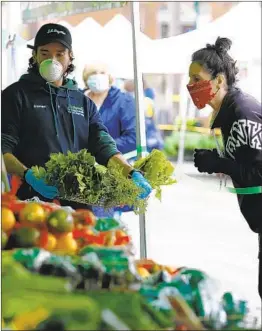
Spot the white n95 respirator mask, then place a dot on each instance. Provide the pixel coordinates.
(51, 70)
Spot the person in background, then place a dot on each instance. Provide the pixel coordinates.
(154, 139)
(116, 108)
(129, 87)
(148, 91)
(213, 81)
(45, 112)
(117, 111)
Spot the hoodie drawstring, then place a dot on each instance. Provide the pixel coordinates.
(74, 128)
(53, 110)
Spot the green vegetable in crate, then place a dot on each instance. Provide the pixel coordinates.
(79, 179)
(4, 239)
(132, 309)
(193, 140)
(78, 311)
(157, 170)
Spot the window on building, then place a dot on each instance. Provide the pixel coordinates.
(164, 30)
(163, 7)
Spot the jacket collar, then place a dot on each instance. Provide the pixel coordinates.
(224, 112)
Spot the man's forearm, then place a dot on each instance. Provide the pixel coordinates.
(14, 166)
(119, 159)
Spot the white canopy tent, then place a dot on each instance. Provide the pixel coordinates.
(87, 45)
(175, 52)
(112, 43)
(118, 47)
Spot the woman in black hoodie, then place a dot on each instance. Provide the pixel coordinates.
(239, 116)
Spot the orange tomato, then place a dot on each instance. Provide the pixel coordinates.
(143, 272)
(32, 213)
(66, 244)
(8, 219)
(120, 234)
(51, 242)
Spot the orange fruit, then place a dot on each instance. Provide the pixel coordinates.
(120, 234)
(51, 242)
(109, 238)
(8, 219)
(66, 244)
(143, 272)
(32, 213)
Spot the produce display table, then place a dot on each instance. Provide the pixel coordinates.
(67, 270)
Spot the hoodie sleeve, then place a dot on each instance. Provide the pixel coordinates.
(100, 144)
(11, 119)
(248, 138)
(127, 140)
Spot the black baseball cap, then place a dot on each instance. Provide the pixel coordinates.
(51, 33)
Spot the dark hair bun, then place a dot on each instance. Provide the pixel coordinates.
(222, 45)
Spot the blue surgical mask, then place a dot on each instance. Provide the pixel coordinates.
(98, 83)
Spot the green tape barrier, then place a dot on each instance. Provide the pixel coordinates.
(134, 153)
(245, 190)
(141, 149)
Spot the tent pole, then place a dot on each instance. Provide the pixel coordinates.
(183, 113)
(140, 116)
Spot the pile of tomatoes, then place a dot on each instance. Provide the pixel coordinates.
(48, 226)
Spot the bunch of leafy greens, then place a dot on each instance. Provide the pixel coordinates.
(78, 178)
(157, 170)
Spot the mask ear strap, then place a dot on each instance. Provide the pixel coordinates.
(218, 88)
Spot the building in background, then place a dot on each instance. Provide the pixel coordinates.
(158, 20)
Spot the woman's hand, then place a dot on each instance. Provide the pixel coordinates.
(207, 161)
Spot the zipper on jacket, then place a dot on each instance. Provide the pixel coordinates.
(221, 153)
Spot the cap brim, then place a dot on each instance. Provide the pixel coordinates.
(51, 41)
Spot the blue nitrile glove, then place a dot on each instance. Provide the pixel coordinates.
(40, 186)
(142, 183)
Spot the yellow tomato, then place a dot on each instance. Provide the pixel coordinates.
(8, 219)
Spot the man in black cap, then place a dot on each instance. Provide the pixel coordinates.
(45, 112)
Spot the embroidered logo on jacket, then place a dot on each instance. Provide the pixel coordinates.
(76, 110)
(244, 132)
(39, 106)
